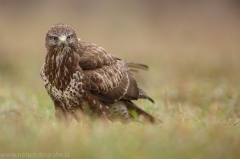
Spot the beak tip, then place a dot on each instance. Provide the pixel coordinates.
(62, 38)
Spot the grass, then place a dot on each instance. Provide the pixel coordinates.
(203, 126)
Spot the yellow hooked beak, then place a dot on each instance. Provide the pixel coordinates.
(62, 40)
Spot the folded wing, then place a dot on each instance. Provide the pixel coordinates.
(109, 78)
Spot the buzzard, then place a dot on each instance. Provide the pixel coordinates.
(81, 77)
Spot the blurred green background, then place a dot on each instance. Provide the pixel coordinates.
(191, 47)
(190, 38)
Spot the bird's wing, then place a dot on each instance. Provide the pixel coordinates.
(108, 77)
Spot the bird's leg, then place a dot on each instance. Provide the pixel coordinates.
(63, 116)
(59, 114)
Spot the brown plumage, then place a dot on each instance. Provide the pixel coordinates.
(77, 73)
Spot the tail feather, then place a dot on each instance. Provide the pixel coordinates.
(140, 111)
(136, 65)
(143, 95)
(133, 67)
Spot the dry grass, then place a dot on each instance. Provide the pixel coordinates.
(194, 77)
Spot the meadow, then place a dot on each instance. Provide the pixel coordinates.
(194, 78)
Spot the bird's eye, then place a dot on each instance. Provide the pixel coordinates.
(55, 38)
(69, 37)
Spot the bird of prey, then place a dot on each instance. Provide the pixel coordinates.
(81, 77)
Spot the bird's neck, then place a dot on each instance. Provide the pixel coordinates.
(60, 68)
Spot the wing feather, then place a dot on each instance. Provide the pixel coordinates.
(94, 56)
(109, 77)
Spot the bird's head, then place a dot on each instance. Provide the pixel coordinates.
(61, 38)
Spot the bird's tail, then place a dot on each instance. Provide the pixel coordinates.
(133, 108)
(135, 66)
